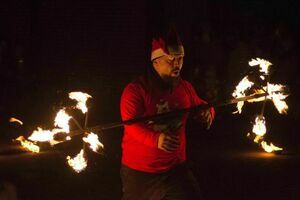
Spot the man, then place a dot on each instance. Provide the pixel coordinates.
(154, 153)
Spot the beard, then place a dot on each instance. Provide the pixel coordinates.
(171, 80)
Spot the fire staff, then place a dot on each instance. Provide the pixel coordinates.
(154, 153)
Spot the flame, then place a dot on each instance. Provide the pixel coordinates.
(78, 163)
(81, 99)
(276, 94)
(258, 91)
(257, 138)
(263, 65)
(15, 120)
(62, 121)
(94, 142)
(270, 148)
(41, 135)
(259, 128)
(239, 91)
(28, 145)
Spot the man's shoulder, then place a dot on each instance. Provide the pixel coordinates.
(186, 83)
(137, 83)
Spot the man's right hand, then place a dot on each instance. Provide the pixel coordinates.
(168, 143)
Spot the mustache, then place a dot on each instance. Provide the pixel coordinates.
(176, 69)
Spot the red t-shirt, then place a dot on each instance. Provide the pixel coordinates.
(140, 151)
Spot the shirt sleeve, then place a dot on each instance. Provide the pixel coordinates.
(132, 106)
(196, 100)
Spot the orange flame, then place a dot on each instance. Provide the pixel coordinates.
(81, 99)
(263, 65)
(78, 163)
(276, 92)
(239, 91)
(15, 120)
(28, 145)
(61, 121)
(270, 148)
(259, 128)
(94, 142)
(42, 135)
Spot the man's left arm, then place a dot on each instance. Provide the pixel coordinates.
(205, 116)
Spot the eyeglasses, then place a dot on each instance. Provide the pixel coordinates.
(177, 58)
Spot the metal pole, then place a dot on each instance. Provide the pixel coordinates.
(165, 115)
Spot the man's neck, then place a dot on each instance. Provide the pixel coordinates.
(171, 81)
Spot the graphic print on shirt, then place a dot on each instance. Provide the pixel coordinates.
(166, 125)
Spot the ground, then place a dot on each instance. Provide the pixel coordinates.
(226, 163)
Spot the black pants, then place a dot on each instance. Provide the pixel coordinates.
(176, 184)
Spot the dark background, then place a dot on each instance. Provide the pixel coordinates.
(49, 48)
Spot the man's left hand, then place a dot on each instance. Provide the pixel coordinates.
(205, 117)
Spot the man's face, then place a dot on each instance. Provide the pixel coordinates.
(168, 66)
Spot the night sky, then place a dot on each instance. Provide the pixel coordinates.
(49, 48)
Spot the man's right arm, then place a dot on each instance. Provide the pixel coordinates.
(132, 106)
